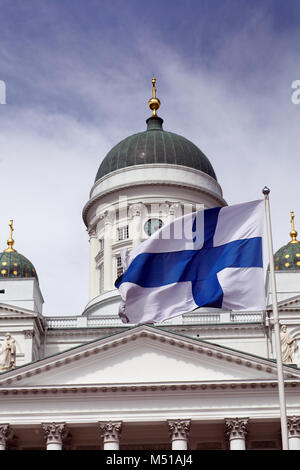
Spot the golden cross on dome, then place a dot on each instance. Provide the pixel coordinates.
(154, 87)
(293, 232)
(154, 102)
(10, 241)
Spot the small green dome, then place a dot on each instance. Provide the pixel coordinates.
(287, 258)
(13, 265)
(155, 146)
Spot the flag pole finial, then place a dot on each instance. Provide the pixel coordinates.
(293, 232)
(154, 103)
(10, 241)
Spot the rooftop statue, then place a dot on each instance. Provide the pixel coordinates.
(8, 350)
(287, 347)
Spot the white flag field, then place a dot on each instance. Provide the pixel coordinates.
(208, 258)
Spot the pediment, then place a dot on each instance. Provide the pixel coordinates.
(144, 355)
(7, 310)
(293, 303)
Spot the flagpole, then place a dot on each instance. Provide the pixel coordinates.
(283, 417)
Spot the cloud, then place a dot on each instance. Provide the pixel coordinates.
(46, 181)
(69, 104)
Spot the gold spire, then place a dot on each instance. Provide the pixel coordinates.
(293, 232)
(154, 102)
(10, 241)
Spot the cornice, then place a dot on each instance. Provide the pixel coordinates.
(83, 331)
(219, 200)
(127, 243)
(213, 329)
(14, 310)
(22, 314)
(233, 326)
(178, 387)
(148, 166)
(286, 304)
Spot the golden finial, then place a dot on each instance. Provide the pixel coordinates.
(154, 102)
(293, 232)
(10, 241)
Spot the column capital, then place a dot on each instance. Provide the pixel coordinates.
(236, 428)
(179, 428)
(5, 431)
(136, 209)
(109, 217)
(55, 432)
(111, 430)
(293, 424)
(28, 334)
(174, 208)
(92, 232)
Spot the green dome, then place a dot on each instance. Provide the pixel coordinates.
(13, 265)
(155, 146)
(287, 258)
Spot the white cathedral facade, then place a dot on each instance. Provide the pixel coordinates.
(205, 380)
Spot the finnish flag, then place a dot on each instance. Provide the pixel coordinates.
(209, 258)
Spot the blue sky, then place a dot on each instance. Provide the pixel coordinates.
(78, 77)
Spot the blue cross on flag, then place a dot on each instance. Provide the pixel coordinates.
(209, 258)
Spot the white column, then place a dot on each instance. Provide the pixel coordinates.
(110, 433)
(107, 257)
(293, 424)
(94, 249)
(135, 231)
(179, 431)
(175, 210)
(54, 435)
(5, 431)
(236, 431)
